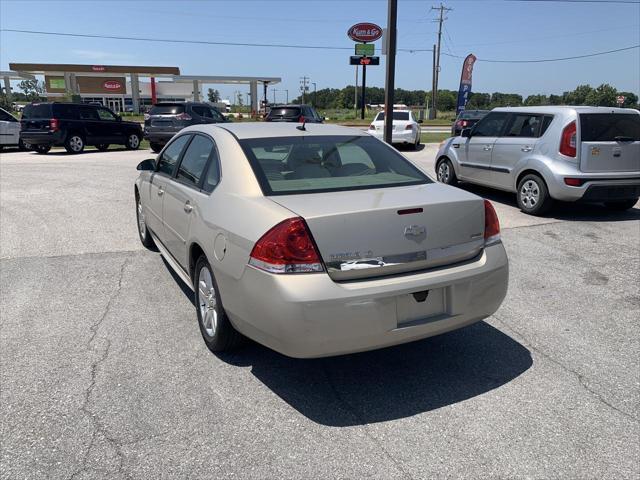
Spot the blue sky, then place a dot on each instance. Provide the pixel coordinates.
(489, 29)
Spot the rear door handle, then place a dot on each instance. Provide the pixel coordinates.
(526, 148)
(160, 192)
(187, 207)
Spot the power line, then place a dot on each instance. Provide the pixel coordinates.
(317, 47)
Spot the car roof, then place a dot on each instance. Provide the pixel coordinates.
(565, 108)
(276, 129)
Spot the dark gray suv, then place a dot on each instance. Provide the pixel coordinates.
(166, 119)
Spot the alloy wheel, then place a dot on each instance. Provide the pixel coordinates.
(443, 172)
(142, 225)
(207, 302)
(530, 194)
(76, 143)
(134, 141)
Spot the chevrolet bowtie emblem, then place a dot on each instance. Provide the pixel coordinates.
(414, 231)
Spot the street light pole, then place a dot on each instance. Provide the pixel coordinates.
(392, 19)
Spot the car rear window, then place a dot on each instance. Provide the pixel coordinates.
(472, 115)
(294, 165)
(36, 111)
(609, 127)
(284, 112)
(167, 109)
(396, 116)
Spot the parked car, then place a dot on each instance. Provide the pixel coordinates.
(550, 153)
(165, 119)
(293, 113)
(74, 126)
(406, 129)
(9, 131)
(317, 241)
(467, 119)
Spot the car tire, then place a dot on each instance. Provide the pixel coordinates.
(533, 196)
(22, 146)
(74, 143)
(133, 142)
(621, 206)
(155, 147)
(445, 172)
(215, 327)
(103, 147)
(143, 231)
(41, 149)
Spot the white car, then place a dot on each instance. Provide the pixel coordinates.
(9, 130)
(406, 129)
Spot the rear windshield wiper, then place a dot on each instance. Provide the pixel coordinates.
(621, 138)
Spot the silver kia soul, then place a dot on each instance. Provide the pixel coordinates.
(551, 153)
(316, 239)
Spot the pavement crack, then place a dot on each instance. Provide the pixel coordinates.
(580, 377)
(98, 426)
(354, 413)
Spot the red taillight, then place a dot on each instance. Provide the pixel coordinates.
(568, 140)
(574, 182)
(491, 223)
(463, 123)
(372, 127)
(287, 248)
(301, 119)
(53, 124)
(183, 116)
(409, 127)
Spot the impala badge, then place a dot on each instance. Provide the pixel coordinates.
(415, 231)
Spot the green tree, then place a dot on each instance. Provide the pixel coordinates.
(603, 96)
(577, 96)
(33, 89)
(213, 95)
(239, 100)
(535, 100)
(555, 100)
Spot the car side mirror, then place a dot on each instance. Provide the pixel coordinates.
(466, 133)
(118, 118)
(419, 121)
(148, 164)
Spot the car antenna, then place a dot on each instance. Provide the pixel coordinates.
(301, 127)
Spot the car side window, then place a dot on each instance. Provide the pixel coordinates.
(7, 117)
(88, 113)
(200, 111)
(212, 177)
(216, 115)
(545, 124)
(169, 157)
(491, 125)
(524, 125)
(105, 114)
(194, 160)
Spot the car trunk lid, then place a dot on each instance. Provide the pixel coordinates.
(609, 142)
(375, 232)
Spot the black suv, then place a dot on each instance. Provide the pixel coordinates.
(75, 125)
(165, 119)
(293, 113)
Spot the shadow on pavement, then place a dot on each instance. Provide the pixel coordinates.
(392, 383)
(582, 212)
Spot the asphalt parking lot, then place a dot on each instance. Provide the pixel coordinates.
(104, 373)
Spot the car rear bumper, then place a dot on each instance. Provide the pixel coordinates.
(402, 136)
(309, 315)
(597, 188)
(159, 137)
(42, 138)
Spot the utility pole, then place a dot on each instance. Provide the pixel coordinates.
(436, 73)
(304, 87)
(274, 95)
(389, 83)
(287, 92)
